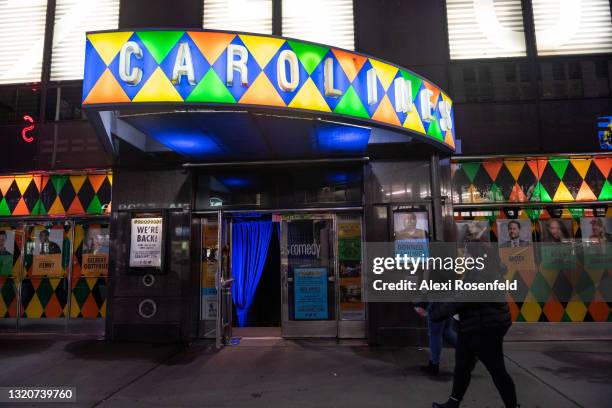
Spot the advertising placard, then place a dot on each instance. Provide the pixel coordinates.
(597, 242)
(349, 241)
(351, 305)
(146, 242)
(95, 252)
(310, 286)
(515, 244)
(47, 258)
(349, 256)
(556, 250)
(209, 269)
(410, 232)
(7, 246)
(470, 232)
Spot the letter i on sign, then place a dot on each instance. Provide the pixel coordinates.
(372, 88)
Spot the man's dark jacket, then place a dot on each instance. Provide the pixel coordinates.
(474, 316)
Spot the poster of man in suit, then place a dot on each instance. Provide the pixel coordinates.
(7, 244)
(47, 259)
(516, 244)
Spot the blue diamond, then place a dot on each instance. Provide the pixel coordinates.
(270, 71)
(253, 70)
(341, 81)
(200, 66)
(146, 63)
(360, 84)
(93, 70)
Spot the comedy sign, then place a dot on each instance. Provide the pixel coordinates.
(146, 243)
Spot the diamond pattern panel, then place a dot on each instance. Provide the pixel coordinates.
(55, 194)
(551, 295)
(537, 180)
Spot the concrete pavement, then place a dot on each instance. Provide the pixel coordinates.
(281, 373)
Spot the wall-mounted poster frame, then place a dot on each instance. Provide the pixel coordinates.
(151, 227)
(411, 234)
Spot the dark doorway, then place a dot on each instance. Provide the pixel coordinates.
(265, 311)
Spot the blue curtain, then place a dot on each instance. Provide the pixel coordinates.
(250, 242)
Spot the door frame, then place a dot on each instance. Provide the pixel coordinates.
(314, 328)
(223, 329)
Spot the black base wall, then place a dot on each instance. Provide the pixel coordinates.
(172, 291)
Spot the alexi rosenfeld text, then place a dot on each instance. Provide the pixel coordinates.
(470, 274)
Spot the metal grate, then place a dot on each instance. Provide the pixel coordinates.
(22, 37)
(323, 21)
(485, 29)
(254, 16)
(73, 18)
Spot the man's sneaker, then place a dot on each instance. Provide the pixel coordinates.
(451, 403)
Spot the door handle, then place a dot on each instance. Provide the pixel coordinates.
(227, 283)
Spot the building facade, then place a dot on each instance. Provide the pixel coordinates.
(306, 165)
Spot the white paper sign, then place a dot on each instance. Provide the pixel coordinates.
(146, 243)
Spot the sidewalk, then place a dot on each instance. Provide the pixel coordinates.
(283, 373)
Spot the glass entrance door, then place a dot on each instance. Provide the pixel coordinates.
(308, 276)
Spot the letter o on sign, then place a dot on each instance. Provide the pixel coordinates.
(147, 308)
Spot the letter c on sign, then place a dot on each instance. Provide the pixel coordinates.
(129, 75)
(26, 129)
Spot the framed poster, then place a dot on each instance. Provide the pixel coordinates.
(209, 267)
(470, 232)
(310, 288)
(515, 244)
(596, 229)
(95, 251)
(146, 242)
(597, 242)
(47, 257)
(349, 257)
(7, 249)
(556, 250)
(411, 233)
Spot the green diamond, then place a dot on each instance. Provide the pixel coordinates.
(159, 43)
(211, 89)
(470, 169)
(350, 104)
(310, 55)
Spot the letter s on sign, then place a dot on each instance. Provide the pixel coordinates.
(26, 129)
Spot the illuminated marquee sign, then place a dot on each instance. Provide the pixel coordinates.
(209, 67)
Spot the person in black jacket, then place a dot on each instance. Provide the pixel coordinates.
(482, 327)
(481, 330)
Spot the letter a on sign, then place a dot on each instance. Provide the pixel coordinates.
(183, 65)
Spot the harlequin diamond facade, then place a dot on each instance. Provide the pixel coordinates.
(549, 180)
(57, 202)
(540, 189)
